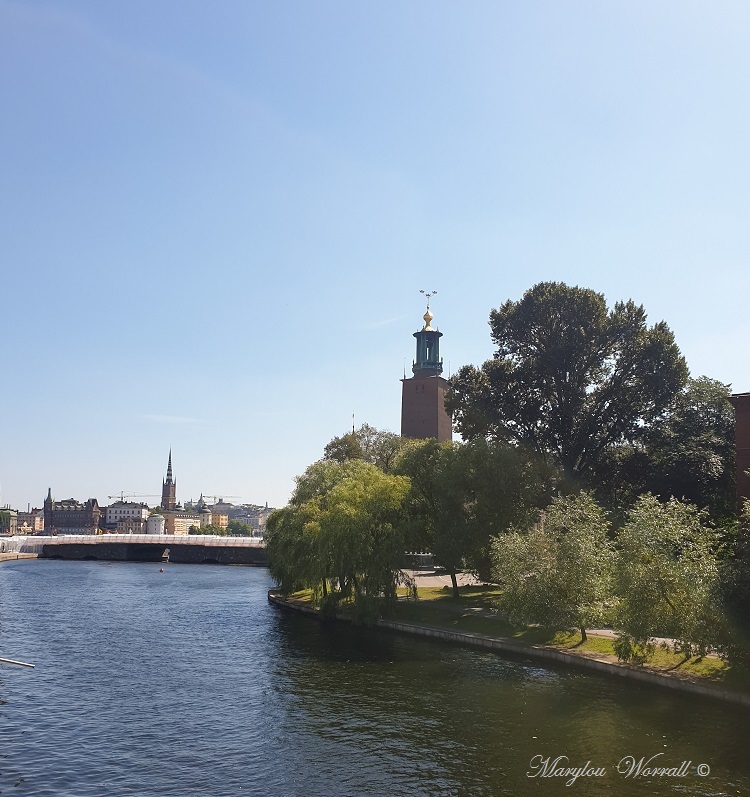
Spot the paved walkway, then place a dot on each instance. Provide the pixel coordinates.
(438, 578)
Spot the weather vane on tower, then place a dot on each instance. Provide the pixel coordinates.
(431, 293)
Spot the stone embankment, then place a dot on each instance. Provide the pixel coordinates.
(12, 556)
(544, 652)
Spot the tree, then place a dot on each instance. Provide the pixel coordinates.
(343, 529)
(667, 580)
(734, 582)
(238, 529)
(688, 453)
(569, 379)
(558, 573)
(376, 446)
(692, 449)
(463, 494)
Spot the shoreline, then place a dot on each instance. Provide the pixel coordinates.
(12, 556)
(544, 652)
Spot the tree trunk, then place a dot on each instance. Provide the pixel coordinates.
(583, 634)
(325, 588)
(456, 593)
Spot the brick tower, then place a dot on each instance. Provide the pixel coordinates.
(423, 412)
(169, 488)
(741, 402)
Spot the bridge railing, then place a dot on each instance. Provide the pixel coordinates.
(35, 544)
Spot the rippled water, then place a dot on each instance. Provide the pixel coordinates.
(188, 683)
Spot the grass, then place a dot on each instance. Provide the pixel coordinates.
(474, 613)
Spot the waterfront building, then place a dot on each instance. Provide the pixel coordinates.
(70, 516)
(741, 403)
(125, 510)
(178, 521)
(130, 525)
(423, 411)
(8, 520)
(155, 524)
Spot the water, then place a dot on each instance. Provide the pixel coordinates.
(188, 683)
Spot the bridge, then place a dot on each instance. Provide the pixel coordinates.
(188, 549)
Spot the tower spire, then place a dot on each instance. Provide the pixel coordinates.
(423, 413)
(169, 487)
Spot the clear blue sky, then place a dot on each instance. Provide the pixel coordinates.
(215, 218)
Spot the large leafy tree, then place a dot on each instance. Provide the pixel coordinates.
(688, 453)
(463, 494)
(569, 378)
(558, 573)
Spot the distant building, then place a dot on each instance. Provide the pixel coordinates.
(178, 521)
(169, 488)
(155, 524)
(423, 413)
(130, 525)
(741, 403)
(33, 520)
(125, 510)
(222, 507)
(8, 520)
(70, 516)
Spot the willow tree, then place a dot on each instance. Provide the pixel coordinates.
(667, 580)
(343, 532)
(559, 573)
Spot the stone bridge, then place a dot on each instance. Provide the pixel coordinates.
(192, 549)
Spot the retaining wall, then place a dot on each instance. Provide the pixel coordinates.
(538, 652)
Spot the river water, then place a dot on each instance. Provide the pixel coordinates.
(188, 682)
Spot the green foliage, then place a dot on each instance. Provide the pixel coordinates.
(735, 588)
(688, 453)
(558, 573)
(237, 529)
(569, 379)
(667, 580)
(343, 527)
(378, 447)
(462, 494)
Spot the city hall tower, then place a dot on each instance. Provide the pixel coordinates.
(423, 412)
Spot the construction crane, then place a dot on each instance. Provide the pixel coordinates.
(123, 495)
(220, 497)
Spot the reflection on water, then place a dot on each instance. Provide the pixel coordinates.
(189, 683)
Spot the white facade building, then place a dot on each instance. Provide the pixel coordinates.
(121, 510)
(155, 524)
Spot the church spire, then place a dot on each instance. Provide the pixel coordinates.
(169, 487)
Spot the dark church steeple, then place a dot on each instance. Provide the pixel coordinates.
(169, 488)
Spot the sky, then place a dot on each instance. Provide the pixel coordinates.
(216, 218)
